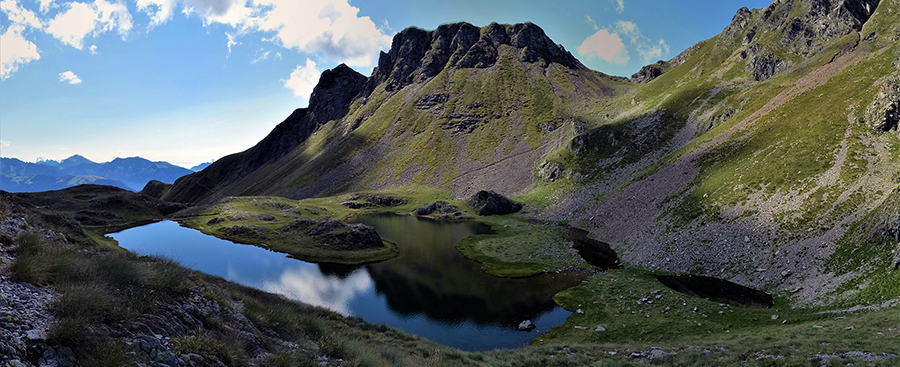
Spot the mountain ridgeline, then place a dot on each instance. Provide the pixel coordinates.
(126, 173)
(738, 158)
(441, 107)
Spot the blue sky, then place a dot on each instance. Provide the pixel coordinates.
(188, 81)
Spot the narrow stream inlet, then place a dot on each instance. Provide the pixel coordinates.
(430, 289)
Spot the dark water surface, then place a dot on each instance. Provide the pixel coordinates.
(430, 289)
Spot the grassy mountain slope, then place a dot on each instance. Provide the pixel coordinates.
(763, 180)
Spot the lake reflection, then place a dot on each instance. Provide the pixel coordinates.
(429, 289)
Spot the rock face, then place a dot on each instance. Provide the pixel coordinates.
(764, 66)
(883, 115)
(492, 203)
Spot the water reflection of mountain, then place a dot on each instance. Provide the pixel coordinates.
(431, 277)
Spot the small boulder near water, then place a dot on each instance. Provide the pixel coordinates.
(492, 203)
(526, 325)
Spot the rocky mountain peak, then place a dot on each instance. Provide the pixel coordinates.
(336, 88)
(417, 54)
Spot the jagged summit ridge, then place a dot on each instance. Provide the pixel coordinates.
(417, 54)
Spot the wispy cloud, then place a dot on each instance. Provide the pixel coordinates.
(69, 77)
(592, 23)
(620, 6)
(647, 49)
(93, 49)
(231, 41)
(263, 57)
(303, 79)
(4, 144)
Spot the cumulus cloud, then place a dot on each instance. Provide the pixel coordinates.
(17, 51)
(605, 46)
(303, 79)
(93, 49)
(620, 6)
(69, 77)
(80, 20)
(331, 28)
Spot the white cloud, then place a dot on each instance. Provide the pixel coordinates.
(648, 50)
(620, 6)
(4, 144)
(93, 49)
(605, 46)
(81, 19)
(303, 79)
(19, 15)
(69, 77)
(16, 50)
(331, 28)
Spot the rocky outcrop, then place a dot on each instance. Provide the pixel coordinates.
(362, 201)
(649, 72)
(492, 203)
(550, 171)
(336, 235)
(441, 207)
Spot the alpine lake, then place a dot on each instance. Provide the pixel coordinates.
(429, 289)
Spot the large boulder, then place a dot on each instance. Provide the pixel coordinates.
(883, 115)
(492, 203)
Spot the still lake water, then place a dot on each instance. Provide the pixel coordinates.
(430, 289)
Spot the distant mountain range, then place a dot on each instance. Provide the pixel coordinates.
(127, 173)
